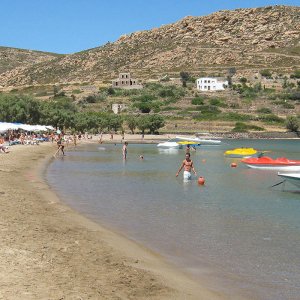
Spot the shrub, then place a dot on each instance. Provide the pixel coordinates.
(270, 118)
(76, 91)
(242, 127)
(292, 124)
(90, 99)
(294, 96)
(217, 102)
(296, 74)
(265, 73)
(168, 108)
(144, 98)
(233, 116)
(198, 101)
(288, 105)
(166, 93)
(264, 110)
(110, 91)
(234, 105)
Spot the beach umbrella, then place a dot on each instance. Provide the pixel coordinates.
(39, 128)
(26, 127)
(8, 126)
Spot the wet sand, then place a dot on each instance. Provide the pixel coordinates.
(48, 251)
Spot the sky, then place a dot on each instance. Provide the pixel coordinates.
(69, 26)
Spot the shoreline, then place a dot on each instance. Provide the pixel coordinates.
(50, 251)
(157, 138)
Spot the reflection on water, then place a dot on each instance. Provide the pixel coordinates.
(234, 231)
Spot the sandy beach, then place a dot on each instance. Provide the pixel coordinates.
(48, 251)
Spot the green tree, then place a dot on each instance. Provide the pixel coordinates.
(185, 76)
(142, 123)
(144, 107)
(114, 122)
(243, 80)
(131, 123)
(155, 122)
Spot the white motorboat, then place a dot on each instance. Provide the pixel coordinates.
(179, 141)
(199, 140)
(207, 139)
(293, 178)
(170, 144)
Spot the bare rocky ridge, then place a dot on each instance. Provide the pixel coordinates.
(248, 39)
(11, 58)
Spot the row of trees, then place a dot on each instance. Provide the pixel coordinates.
(62, 113)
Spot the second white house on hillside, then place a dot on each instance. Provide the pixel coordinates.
(211, 84)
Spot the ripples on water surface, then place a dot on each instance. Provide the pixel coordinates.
(235, 232)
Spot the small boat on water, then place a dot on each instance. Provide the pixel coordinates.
(268, 163)
(293, 178)
(170, 144)
(241, 152)
(179, 141)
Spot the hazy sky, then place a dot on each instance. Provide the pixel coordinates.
(68, 26)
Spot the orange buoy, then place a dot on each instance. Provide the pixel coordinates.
(201, 180)
(233, 165)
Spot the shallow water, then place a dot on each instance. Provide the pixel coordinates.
(235, 233)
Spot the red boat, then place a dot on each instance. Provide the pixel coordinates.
(268, 163)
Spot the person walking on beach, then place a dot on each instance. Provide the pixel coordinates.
(75, 139)
(124, 150)
(188, 165)
(60, 146)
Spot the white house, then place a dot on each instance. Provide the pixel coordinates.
(211, 84)
(117, 108)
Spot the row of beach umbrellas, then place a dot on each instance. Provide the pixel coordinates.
(15, 126)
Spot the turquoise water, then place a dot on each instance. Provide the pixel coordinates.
(235, 233)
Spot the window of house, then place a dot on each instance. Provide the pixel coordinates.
(208, 81)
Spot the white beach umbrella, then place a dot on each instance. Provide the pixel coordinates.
(8, 126)
(26, 127)
(39, 128)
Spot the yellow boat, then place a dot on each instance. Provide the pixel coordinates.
(241, 152)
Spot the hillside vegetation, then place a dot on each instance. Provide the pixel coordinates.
(258, 50)
(248, 39)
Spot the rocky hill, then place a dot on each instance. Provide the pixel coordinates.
(248, 39)
(11, 58)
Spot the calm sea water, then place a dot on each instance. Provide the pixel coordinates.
(235, 233)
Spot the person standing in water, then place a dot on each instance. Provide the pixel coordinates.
(124, 150)
(188, 165)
